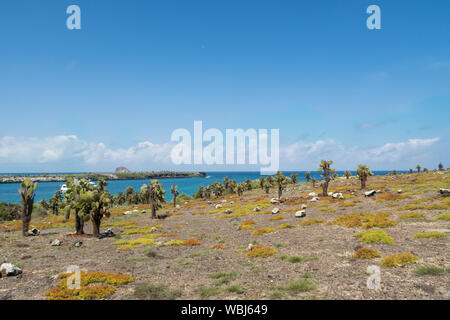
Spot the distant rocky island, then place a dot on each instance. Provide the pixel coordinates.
(121, 173)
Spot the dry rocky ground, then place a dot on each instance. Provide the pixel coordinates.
(311, 262)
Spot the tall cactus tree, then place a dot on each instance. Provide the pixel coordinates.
(281, 182)
(248, 184)
(294, 177)
(100, 205)
(56, 202)
(261, 182)
(240, 189)
(156, 196)
(174, 191)
(440, 166)
(363, 172)
(207, 192)
(308, 176)
(74, 203)
(347, 174)
(27, 194)
(418, 168)
(325, 168)
(267, 185)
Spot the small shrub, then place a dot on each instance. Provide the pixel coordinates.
(374, 236)
(366, 253)
(412, 215)
(293, 259)
(261, 252)
(247, 222)
(285, 226)
(401, 259)
(191, 242)
(444, 216)
(264, 230)
(247, 227)
(276, 218)
(175, 242)
(309, 222)
(435, 235)
(218, 246)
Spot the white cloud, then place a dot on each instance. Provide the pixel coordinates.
(71, 153)
(403, 154)
(71, 148)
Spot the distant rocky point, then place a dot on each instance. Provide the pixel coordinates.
(121, 173)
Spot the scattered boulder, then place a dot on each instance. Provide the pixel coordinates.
(107, 234)
(228, 211)
(135, 211)
(177, 206)
(127, 212)
(9, 270)
(218, 206)
(231, 202)
(330, 194)
(154, 229)
(337, 195)
(78, 244)
(274, 200)
(275, 210)
(369, 193)
(300, 214)
(250, 247)
(312, 194)
(444, 192)
(304, 206)
(257, 209)
(143, 211)
(399, 191)
(223, 200)
(56, 243)
(314, 199)
(33, 232)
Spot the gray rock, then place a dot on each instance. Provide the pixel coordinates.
(444, 192)
(312, 194)
(257, 209)
(78, 244)
(9, 270)
(275, 210)
(122, 170)
(228, 211)
(304, 206)
(218, 206)
(274, 200)
(56, 243)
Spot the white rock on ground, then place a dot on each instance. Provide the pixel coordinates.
(369, 193)
(312, 194)
(300, 214)
(218, 206)
(274, 200)
(257, 209)
(9, 270)
(56, 243)
(275, 210)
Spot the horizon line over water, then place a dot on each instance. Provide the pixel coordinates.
(45, 190)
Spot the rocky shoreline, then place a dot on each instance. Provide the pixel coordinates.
(107, 176)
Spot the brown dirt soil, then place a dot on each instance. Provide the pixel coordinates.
(326, 249)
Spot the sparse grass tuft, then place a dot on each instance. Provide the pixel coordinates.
(309, 222)
(206, 292)
(235, 289)
(223, 277)
(444, 216)
(429, 270)
(155, 292)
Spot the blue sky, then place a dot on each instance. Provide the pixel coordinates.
(77, 100)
